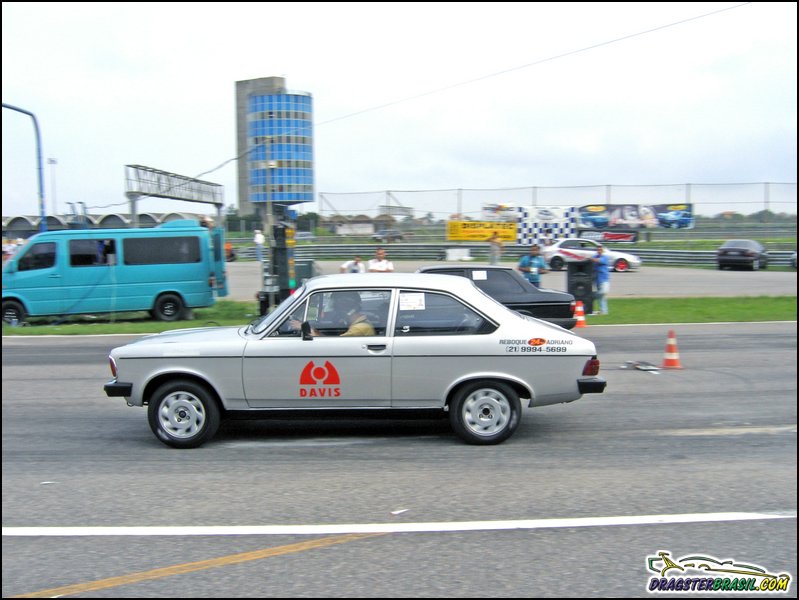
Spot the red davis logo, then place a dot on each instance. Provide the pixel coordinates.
(319, 381)
(536, 342)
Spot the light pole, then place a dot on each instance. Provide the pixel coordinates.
(53, 162)
(42, 216)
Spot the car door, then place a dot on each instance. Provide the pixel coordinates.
(436, 342)
(36, 276)
(283, 370)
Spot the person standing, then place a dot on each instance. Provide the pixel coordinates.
(355, 265)
(533, 265)
(495, 251)
(602, 276)
(380, 264)
(259, 240)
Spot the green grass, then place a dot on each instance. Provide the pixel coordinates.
(696, 310)
(622, 311)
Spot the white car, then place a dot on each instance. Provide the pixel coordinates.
(359, 343)
(579, 249)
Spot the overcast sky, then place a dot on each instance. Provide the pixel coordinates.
(407, 96)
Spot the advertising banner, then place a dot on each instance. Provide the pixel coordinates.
(499, 212)
(480, 231)
(635, 216)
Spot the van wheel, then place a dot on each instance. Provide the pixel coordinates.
(12, 310)
(168, 307)
(485, 412)
(183, 414)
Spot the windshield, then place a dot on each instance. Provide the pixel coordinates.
(261, 324)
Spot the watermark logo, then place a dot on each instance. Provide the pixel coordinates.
(702, 573)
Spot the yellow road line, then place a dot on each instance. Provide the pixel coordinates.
(82, 588)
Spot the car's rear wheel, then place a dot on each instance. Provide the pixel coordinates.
(183, 414)
(168, 307)
(485, 412)
(621, 265)
(556, 263)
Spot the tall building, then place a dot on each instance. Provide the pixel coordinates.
(274, 140)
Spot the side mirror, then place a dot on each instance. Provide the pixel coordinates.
(305, 328)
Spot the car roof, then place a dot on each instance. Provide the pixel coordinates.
(450, 266)
(459, 286)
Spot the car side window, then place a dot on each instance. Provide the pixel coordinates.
(497, 282)
(428, 313)
(340, 312)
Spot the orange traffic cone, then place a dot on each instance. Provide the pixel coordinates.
(671, 358)
(579, 314)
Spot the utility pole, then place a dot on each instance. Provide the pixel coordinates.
(42, 215)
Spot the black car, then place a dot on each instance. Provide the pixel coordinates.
(509, 287)
(742, 253)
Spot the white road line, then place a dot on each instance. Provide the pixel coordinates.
(393, 527)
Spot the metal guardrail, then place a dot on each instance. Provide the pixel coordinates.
(479, 252)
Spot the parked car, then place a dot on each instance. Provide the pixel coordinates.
(675, 219)
(742, 253)
(508, 286)
(579, 249)
(387, 235)
(793, 259)
(440, 345)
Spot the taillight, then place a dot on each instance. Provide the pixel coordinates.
(591, 366)
(113, 366)
(212, 281)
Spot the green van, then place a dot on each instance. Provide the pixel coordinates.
(167, 270)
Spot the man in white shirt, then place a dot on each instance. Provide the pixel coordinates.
(380, 264)
(353, 266)
(259, 240)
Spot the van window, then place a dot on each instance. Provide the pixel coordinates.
(38, 256)
(159, 251)
(91, 253)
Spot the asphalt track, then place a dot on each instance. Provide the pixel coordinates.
(244, 281)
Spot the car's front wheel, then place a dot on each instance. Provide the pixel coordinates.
(183, 414)
(13, 312)
(556, 264)
(485, 412)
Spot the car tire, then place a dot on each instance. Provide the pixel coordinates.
(183, 414)
(485, 412)
(556, 263)
(13, 311)
(621, 265)
(168, 307)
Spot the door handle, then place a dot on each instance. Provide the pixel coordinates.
(375, 347)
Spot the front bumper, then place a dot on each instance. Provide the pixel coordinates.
(591, 385)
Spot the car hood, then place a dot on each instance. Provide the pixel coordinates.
(194, 335)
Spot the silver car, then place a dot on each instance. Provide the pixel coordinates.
(579, 249)
(397, 342)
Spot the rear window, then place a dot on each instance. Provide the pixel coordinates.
(161, 250)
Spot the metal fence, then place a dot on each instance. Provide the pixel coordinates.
(479, 252)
